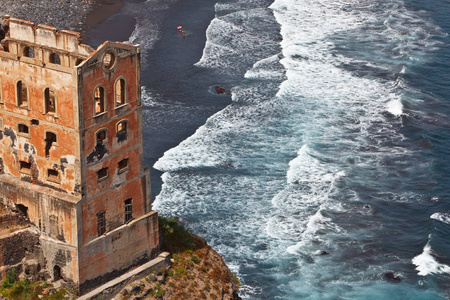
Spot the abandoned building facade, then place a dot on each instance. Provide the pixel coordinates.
(71, 151)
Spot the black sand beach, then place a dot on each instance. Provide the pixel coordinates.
(77, 15)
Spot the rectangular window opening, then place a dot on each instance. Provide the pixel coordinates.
(102, 174)
(101, 223)
(123, 165)
(53, 176)
(99, 99)
(25, 167)
(24, 129)
(128, 210)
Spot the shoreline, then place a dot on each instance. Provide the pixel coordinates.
(75, 15)
(102, 10)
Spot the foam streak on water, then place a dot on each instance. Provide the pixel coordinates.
(310, 155)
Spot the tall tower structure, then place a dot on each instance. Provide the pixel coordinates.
(71, 150)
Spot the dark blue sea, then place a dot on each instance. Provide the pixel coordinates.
(326, 163)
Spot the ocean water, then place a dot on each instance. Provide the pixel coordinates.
(325, 166)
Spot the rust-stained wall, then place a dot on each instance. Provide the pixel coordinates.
(65, 208)
(15, 146)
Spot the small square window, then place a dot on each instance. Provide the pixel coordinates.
(102, 174)
(123, 165)
(53, 176)
(24, 167)
(23, 129)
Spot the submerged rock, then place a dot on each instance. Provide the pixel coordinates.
(392, 277)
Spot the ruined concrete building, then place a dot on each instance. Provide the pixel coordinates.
(71, 151)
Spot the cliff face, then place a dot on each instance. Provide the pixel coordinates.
(194, 274)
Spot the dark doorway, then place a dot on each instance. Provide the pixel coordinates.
(56, 273)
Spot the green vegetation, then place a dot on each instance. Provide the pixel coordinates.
(175, 238)
(13, 288)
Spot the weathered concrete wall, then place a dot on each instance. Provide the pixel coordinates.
(62, 256)
(21, 250)
(117, 251)
(54, 213)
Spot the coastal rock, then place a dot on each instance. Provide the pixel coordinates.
(392, 277)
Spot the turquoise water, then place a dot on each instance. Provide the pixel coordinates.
(333, 139)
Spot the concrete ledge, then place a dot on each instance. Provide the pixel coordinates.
(115, 285)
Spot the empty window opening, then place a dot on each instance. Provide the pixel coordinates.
(50, 101)
(56, 273)
(23, 210)
(50, 139)
(123, 165)
(54, 58)
(102, 174)
(25, 167)
(53, 175)
(128, 210)
(101, 223)
(99, 100)
(101, 136)
(122, 129)
(34, 122)
(122, 126)
(23, 129)
(22, 93)
(28, 52)
(109, 60)
(120, 92)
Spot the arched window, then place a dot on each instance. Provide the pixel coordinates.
(54, 59)
(21, 94)
(101, 136)
(120, 89)
(122, 131)
(28, 52)
(49, 101)
(99, 100)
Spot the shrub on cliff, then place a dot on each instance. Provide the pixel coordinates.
(175, 238)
